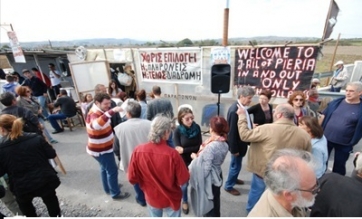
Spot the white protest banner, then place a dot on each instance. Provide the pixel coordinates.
(15, 47)
(220, 55)
(182, 66)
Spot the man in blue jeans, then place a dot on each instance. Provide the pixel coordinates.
(67, 109)
(237, 147)
(39, 90)
(100, 143)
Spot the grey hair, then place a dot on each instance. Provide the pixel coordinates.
(356, 84)
(245, 91)
(97, 88)
(134, 109)
(285, 176)
(159, 126)
(286, 111)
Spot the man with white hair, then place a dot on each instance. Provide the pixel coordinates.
(315, 83)
(340, 196)
(340, 76)
(127, 136)
(291, 185)
(159, 170)
(342, 125)
(265, 140)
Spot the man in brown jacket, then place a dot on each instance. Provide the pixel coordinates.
(265, 140)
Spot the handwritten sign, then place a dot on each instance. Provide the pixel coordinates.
(171, 66)
(220, 55)
(15, 47)
(282, 70)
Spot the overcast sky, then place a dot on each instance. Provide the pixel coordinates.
(42, 20)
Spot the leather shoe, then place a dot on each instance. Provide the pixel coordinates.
(240, 182)
(58, 131)
(143, 204)
(185, 207)
(233, 191)
(121, 196)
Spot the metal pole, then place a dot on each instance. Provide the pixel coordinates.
(226, 25)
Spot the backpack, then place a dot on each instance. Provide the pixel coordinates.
(28, 126)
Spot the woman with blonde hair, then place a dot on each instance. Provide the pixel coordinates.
(25, 100)
(24, 158)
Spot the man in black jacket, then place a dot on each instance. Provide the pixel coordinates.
(38, 88)
(31, 121)
(340, 196)
(116, 118)
(237, 147)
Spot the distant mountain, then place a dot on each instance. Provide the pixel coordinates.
(108, 42)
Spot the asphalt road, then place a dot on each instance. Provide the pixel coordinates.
(82, 185)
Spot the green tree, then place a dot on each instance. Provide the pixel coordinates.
(185, 42)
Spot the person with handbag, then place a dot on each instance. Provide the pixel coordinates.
(25, 100)
(24, 157)
(39, 89)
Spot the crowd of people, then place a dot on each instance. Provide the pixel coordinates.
(287, 148)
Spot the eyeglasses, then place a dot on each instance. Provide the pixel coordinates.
(188, 118)
(301, 100)
(314, 191)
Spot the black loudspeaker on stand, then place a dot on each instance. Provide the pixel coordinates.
(220, 81)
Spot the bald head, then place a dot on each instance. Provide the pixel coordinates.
(284, 110)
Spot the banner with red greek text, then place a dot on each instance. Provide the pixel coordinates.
(15, 47)
(182, 66)
(280, 69)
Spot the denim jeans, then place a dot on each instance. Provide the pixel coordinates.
(140, 196)
(184, 191)
(234, 170)
(257, 188)
(335, 89)
(53, 120)
(157, 212)
(109, 173)
(43, 103)
(45, 131)
(341, 155)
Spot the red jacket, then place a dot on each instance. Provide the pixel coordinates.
(160, 171)
(46, 78)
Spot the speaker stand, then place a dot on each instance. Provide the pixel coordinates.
(218, 104)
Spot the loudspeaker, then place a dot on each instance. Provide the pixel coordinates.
(220, 78)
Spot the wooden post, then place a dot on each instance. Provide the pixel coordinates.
(60, 165)
(335, 51)
(226, 25)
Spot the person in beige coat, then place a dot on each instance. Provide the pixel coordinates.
(265, 140)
